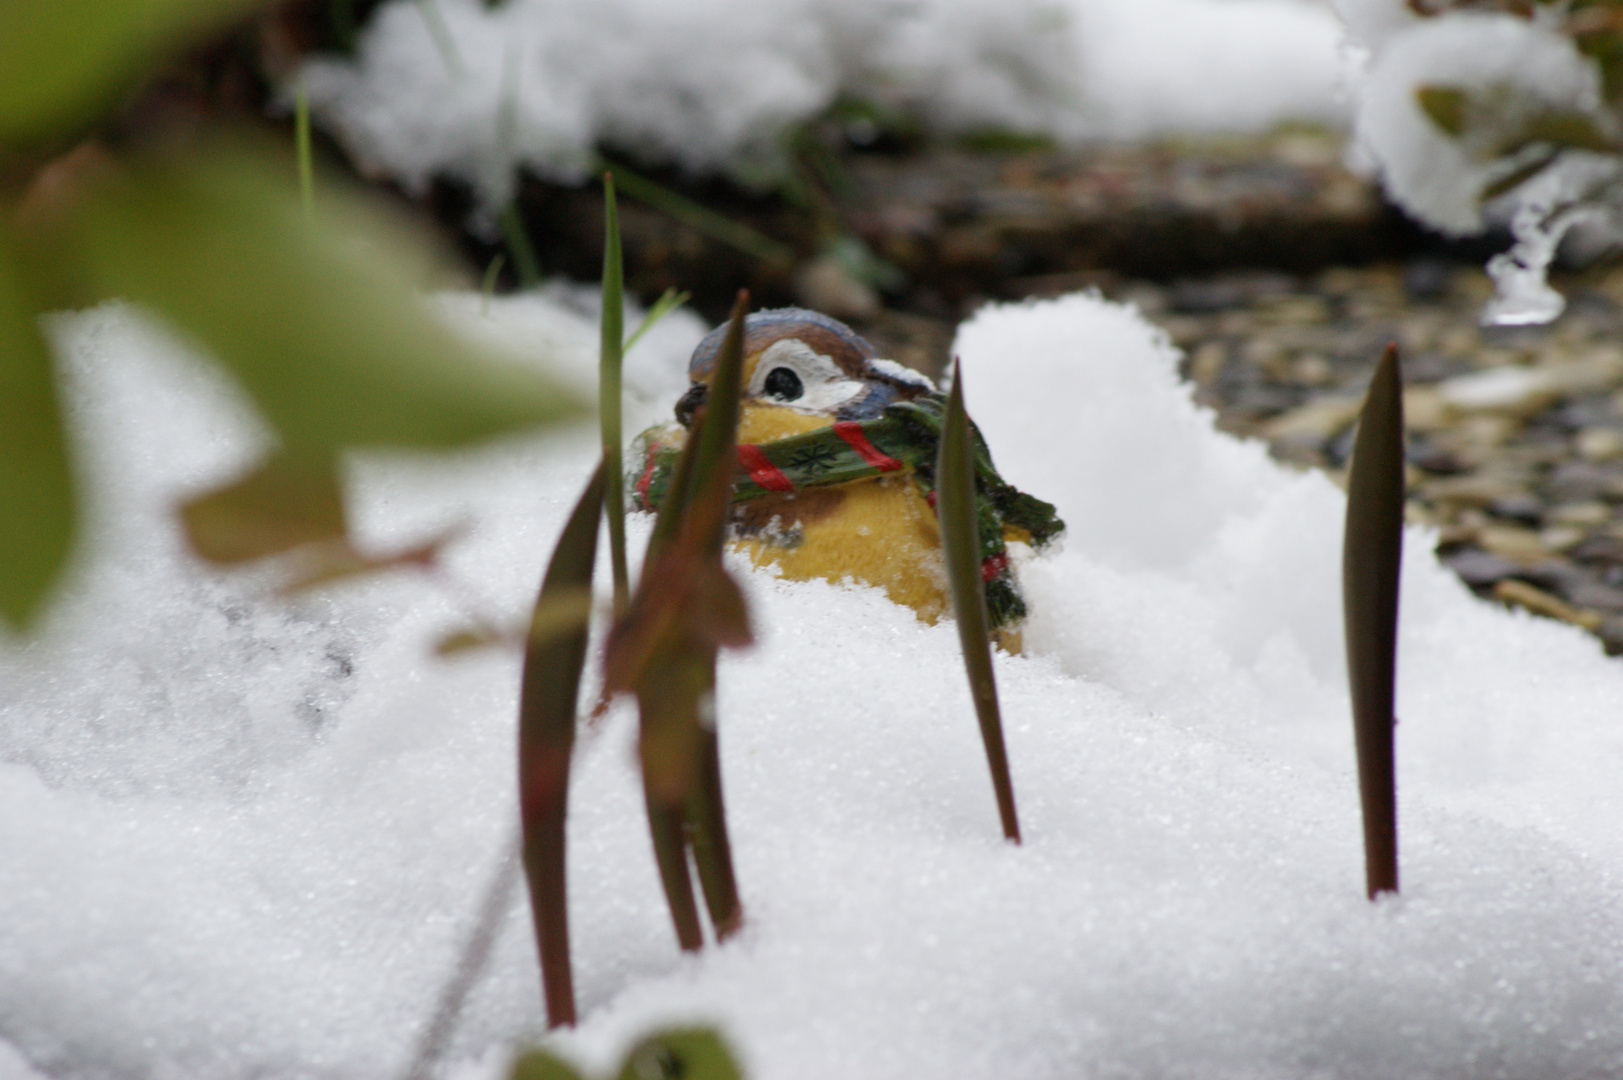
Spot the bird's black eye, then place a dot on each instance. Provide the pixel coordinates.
(783, 384)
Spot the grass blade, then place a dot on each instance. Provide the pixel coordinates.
(702, 218)
(1371, 553)
(518, 246)
(487, 288)
(961, 548)
(441, 34)
(301, 143)
(551, 686)
(610, 355)
(668, 301)
(470, 966)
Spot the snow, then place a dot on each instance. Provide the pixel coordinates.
(246, 838)
(1527, 66)
(471, 92)
(1438, 178)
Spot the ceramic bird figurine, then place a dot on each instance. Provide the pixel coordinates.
(837, 451)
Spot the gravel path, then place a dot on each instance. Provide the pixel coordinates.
(1516, 434)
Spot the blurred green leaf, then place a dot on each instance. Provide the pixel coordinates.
(1004, 141)
(681, 1054)
(283, 504)
(1502, 119)
(540, 1065)
(60, 60)
(674, 1054)
(1445, 106)
(1521, 173)
(37, 518)
(1566, 127)
(327, 564)
(310, 311)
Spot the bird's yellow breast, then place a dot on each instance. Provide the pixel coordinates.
(878, 531)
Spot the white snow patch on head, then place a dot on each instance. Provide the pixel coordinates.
(901, 373)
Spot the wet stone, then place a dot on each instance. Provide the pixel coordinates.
(1611, 635)
(1518, 506)
(1572, 481)
(1480, 569)
(1599, 548)
(1595, 595)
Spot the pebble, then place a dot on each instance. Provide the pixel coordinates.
(1521, 594)
(1598, 443)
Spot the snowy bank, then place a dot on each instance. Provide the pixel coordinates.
(463, 90)
(245, 839)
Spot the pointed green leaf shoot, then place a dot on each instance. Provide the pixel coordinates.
(664, 650)
(1372, 551)
(960, 547)
(546, 738)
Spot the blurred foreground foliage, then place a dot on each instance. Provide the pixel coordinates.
(676, 1054)
(316, 311)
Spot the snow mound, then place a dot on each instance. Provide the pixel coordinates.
(469, 91)
(202, 880)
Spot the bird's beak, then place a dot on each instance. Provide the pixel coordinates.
(690, 402)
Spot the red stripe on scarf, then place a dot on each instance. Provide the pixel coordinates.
(851, 432)
(761, 471)
(646, 478)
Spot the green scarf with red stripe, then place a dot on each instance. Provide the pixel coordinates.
(905, 435)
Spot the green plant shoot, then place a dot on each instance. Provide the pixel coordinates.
(610, 355)
(961, 549)
(1372, 552)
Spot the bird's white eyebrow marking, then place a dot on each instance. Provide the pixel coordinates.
(825, 387)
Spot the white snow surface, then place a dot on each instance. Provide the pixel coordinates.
(245, 839)
(459, 89)
(1437, 178)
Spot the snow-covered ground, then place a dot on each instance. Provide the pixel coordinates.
(243, 839)
(453, 87)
